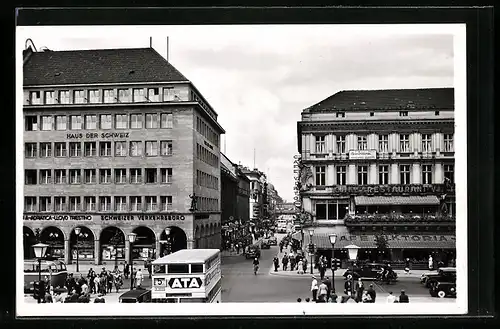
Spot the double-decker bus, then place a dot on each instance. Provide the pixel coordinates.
(52, 269)
(187, 276)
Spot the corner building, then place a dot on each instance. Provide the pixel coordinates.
(380, 162)
(117, 141)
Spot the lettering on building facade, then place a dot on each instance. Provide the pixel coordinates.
(58, 217)
(66, 217)
(109, 135)
(432, 189)
(399, 237)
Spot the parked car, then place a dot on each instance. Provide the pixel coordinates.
(443, 289)
(265, 245)
(273, 241)
(136, 296)
(252, 252)
(368, 270)
(443, 274)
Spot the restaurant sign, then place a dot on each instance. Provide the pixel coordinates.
(68, 217)
(398, 237)
(362, 154)
(415, 189)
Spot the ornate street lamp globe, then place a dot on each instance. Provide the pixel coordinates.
(333, 238)
(167, 231)
(40, 249)
(311, 232)
(77, 230)
(132, 237)
(353, 251)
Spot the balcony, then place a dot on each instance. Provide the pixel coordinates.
(398, 220)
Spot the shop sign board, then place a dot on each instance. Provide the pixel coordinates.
(399, 237)
(414, 189)
(111, 217)
(362, 154)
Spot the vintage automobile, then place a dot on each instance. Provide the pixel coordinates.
(272, 241)
(136, 296)
(265, 245)
(443, 274)
(252, 252)
(443, 289)
(368, 270)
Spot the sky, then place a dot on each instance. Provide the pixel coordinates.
(259, 78)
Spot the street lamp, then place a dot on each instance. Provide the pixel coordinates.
(131, 239)
(353, 254)
(333, 239)
(40, 249)
(167, 232)
(311, 233)
(77, 232)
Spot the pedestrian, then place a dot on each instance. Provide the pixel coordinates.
(304, 265)
(431, 263)
(281, 246)
(403, 298)
(359, 290)
(97, 280)
(237, 248)
(322, 291)
(139, 277)
(372, 293)
(284, 261)
(391, 298)
(348, 287)
(126, 270)
(300, 267)
(407, 266)
(321, 269)
(276, 263)
(365, 297)
(314, 288)
(85, 288)
(109, 282)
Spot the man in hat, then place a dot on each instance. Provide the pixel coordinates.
(372, 293)
(403, 298)
(314, 288)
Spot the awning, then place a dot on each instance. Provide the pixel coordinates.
(395, 241)
(396, 200)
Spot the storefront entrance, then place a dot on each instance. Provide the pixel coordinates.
(83, 245)
(145, 243)
(29, 240)
(177, 239)
(54, 237)
(112, 245)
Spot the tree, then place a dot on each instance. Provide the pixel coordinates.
(382, 245)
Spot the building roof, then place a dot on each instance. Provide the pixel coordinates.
(389, 99)
(132, 65)
(187, 256)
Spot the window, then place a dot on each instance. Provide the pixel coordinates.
(106, 121)
(120, 149)
(120, 176)
(30, 177)
(154, 94)
(340, 115)
(104, 176)
(31, 123)
(74, 176)
(95, 96)
(135, 203)
(120, 203)
(90, 176)
(448, 142)
(135, 149)
(152, 121)
(45, 204)
(75, 122)
(426, 174)
(151, 176)
(136, 121)
(320, 144)
(362, 175)
(362, 143)
(383, 143)
(139, 95)
(341, 175)
(383, 174)
(372, 114)
(59, 203)
(170, 94)
(109, 96)
(167, 120)
(45, 176)
(426, 143)
(35, 98)
(79, 97)
(166, 147)
(436, 112)
(91, 121)
(90, 149)
(166, 203)
(340, 144)
(151, 148)
(124, 96)
(46, 122)
(105, 149)
(320, 175)
(30, 150)
(321, 211)
(89, 203)
(75, 203)
(151, 203)
(196, 268)
(30, 203)
(104, 203)
(449, 173)
(50, 97)
(403, 113)
(45, 150)
(64, 97)
(404, 143)
(404, 171)
(166, 175)
(60, 176)
(135, 175)
(121, 121)
(75, 149)
(61, 122)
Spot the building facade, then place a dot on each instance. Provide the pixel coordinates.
(380, 162)
(116, 142)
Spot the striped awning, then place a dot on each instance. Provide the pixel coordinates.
(396, 200)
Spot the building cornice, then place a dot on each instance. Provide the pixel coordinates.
(382, 125)
(107, 84)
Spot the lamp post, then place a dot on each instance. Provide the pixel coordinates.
(115, 242)
(39, 249)
(353, 254)
(167, 232)
(311, 233)
(333, 239)
(77, 232)
(131, 239)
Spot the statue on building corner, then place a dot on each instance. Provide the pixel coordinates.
(306, 177)
(194, 205)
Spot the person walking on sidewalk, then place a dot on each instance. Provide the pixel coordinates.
(372, 293)
(304, 265)
(403, 298)
(284, 261)
(314, 288)
(291, 258)
(359, 290)
(126, 270)
(276, 263)
(300, 267)
(139, 277)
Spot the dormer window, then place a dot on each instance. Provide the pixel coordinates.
(95, 96)
(139, 95)
(50, 97)
(64, 97)
(109, 96)
(436, 112)
(124, 95)
(340, 114)
(79, 97)
(154, 94)
(403, 113)
(35, 98)
(170, 94)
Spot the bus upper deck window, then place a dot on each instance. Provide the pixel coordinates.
(159, 269)
(178, 268)
(196, 268)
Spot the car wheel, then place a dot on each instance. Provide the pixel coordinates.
(441, 294)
